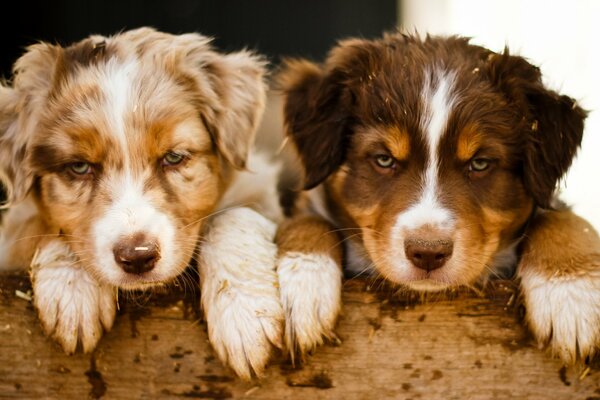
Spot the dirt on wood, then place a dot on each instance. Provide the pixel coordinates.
(459, 345)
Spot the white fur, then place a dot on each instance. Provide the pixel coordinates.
(240, 293)
(73, 304)
(116, 82)
(73, 307)
(131, 213)
(256, 187)
(437, 101)
(316, 198)
(563, 311)
(311, 287)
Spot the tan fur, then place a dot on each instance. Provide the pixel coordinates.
(227, 90)
(308, 235)
(310, 270)
(121, 105)
(561, 244)
(469, 142)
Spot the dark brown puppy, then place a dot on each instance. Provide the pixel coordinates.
(436, 158)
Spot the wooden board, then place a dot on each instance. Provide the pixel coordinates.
(461, 346)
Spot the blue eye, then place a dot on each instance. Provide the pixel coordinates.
(172, 159)
(385, 161)
(479, 164)
(81, 168)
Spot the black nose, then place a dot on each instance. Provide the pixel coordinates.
(136, 254)
(428, 254)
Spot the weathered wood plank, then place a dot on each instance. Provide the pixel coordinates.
(392, 347)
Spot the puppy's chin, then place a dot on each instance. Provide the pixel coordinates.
(155, 278)
(418, 280)
(140, 282)
(446, 277)
(427, 285)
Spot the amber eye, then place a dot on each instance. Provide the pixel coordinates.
(81, 168)
(384, 161)
(171, 159)
(479, 164)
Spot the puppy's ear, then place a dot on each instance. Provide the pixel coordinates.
(314, 117)
(553, 123)
(20, 106)
(228, 89)
(238, 80)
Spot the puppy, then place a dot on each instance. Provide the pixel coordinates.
(437, 161)
(116, 152)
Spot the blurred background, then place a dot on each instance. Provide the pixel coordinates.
(558, 35)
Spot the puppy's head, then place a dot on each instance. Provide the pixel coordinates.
(126, 143)
(436, 149)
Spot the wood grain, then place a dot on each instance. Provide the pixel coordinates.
(393, 346)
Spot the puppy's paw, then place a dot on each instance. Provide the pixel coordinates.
(563, 313)
(310, 290)
(73, 307)
(243, 329)
(240, 291)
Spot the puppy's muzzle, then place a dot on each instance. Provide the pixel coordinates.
(428, 255)
(136, 254)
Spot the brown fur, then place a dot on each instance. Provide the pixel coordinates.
(561, 244)
(365, 100)
(504, 143)
(309, 235)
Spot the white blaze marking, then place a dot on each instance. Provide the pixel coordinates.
(117, 85)
(130, 213)
(437, 102)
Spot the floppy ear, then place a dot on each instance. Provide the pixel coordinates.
(553, 123)
(20, 105)
(319, 103)
(238, 80)
(315, 119)
(229, 89)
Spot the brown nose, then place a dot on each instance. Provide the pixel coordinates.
(428, 254)
(136, 254)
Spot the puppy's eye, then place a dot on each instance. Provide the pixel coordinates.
(480, 164)
(172, 159)
(385, 161)
(81, 168)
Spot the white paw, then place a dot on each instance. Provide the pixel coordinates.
(563, 312)
(311, 295)
(240, 291)
(73, 307)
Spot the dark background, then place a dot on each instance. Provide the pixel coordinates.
(275, 28)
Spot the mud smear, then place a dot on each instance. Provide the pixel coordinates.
(95, 379)
(320, 381)
(562, 374)
(183, 293)
(215, 378)
(286, 367)
(180, 353)
(375, 323)
(9, 283)
(197, 393)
